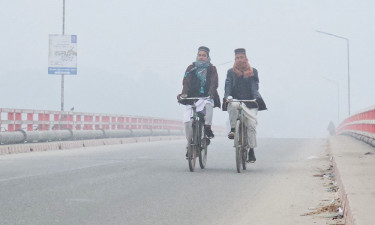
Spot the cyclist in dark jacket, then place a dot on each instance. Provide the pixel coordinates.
(242, 83)
(201, 80)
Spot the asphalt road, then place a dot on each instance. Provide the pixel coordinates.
(150, 183)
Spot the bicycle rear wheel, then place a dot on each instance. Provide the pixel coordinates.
(238, 145)
(203, 148)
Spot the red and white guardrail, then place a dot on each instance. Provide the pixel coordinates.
(44, 120)
(29, 126)
(360, 124)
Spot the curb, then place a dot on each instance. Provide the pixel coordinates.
(345, 203)
(63, 145)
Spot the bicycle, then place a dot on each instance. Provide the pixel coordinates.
(240, 137)
(198, 143)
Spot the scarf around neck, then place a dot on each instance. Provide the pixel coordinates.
(201, 67)
(243, 69)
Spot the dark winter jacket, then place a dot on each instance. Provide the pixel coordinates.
(191, 85)
(244, 89)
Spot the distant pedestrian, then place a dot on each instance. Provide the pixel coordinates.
(331, 128)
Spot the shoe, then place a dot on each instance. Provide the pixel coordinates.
(209, 132)
(231, 134)
(206, 141)
(251, 158)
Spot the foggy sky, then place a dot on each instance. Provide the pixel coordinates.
(132, 56)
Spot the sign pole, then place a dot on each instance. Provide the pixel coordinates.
(62, 55)
(62, 75)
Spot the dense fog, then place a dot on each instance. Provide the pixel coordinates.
(132, 56)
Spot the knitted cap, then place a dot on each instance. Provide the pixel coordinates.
(204, 48)
(240, 51)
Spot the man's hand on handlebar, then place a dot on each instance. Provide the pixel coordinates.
(229, 99)
(180, 96)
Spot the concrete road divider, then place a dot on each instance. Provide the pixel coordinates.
(62, 145)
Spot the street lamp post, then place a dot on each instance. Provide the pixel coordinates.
(347, 47)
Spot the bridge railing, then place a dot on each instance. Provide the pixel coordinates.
(45, 120)
(360, 125)
(27, 125)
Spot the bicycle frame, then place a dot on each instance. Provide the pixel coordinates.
(240, 140)
(197, 123)
(243, 127)
(242, 119)
(198, 143)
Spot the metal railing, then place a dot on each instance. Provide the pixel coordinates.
(361, 125)
(44, 120)
(25, 125)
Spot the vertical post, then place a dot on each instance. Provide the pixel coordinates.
(62, 75)
(18, 120)
(338, 103)
(11, 118)
(63, 25)
(62, 92)
(347, 41)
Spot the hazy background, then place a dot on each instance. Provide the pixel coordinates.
(132, 56)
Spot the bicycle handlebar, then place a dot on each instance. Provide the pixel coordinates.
(195, 98)
(253, 100)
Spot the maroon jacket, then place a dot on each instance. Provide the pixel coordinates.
(191, 84)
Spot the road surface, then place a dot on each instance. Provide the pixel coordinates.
(150, 183)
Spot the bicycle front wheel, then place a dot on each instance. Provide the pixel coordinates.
(244, 158)
(194, 146)
(238, 145)
(191, 156)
